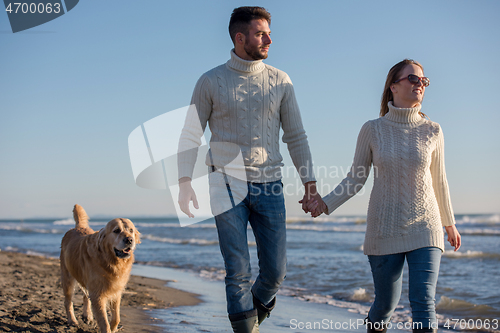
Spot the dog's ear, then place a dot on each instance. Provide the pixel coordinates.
(137, 236)
(100, 238)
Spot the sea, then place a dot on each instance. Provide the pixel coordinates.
(326, 264)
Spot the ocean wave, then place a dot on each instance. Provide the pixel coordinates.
(28, 252)
(195, 241)
(23, 228)
(71, 223)
(156, 225)
(191, 241)
(64, 222)
(173, 225)
(400, 315)
(360, 295)
(478, 219)
(470, 254)
(217, 275)
(465, 309)
(11, 227)
(321, 228)
(460, 219)
(479, 232)
(327, 219)
(327, 299)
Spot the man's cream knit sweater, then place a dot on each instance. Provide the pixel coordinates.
(244, 103)
(409, 202)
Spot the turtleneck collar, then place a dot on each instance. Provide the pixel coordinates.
(245, 66)
(404, 115)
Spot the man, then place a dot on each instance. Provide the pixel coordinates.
(245, 102)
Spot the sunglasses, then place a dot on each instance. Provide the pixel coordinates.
(414, 79)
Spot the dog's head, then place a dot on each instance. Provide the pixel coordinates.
(119, 237)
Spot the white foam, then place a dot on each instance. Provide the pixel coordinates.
(196, 241)
(23, 228)
(464, 308)
(352, 306)
(173, 225)
(156, 225)
(64, 222)
(479, 232)
(34, 253)
(483, 219)
(218, 275)
(360, 295)
(327, 219)
(321, 228)
(11, 227)
(470, 254)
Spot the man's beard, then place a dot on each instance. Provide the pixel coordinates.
(254, 53)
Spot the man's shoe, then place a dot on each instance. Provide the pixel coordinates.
(263, 311)
(248, 325)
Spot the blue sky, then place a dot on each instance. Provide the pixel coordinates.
(73, 89)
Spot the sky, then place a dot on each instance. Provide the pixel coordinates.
(73, 89)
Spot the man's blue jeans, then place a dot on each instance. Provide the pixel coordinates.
(387, 271)
(264, 208)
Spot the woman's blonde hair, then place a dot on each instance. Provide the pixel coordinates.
(392, 76)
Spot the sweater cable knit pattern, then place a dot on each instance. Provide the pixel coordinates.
(409, 203)
(272, 102)
(246, 103)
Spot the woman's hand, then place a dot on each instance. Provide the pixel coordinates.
(314, 207)
(454, 236)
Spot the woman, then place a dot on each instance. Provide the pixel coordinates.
(409, 203)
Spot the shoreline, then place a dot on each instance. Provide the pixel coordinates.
(31, 299)
(291, 314)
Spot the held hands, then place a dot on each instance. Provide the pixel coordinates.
(454, 236)
(312, 202)
(186, 194)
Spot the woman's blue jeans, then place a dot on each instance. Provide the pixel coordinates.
(387, 271)
(264, 208)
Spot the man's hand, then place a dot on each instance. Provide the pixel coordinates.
(186, 194)
(312, 202)
(315, 207)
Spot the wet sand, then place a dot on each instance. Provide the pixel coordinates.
(31, 298)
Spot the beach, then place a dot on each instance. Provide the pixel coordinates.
(31, 299)
(328, 276)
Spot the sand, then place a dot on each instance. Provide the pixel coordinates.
(31, 298)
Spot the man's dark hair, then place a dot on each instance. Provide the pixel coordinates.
(241, 18)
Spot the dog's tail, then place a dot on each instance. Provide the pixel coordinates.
(81, 218)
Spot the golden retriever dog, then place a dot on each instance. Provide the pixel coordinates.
(100, 262)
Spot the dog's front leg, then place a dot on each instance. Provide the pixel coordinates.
(99, 310)
(115, 313)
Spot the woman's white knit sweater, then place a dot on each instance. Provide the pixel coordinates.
(410, 202)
